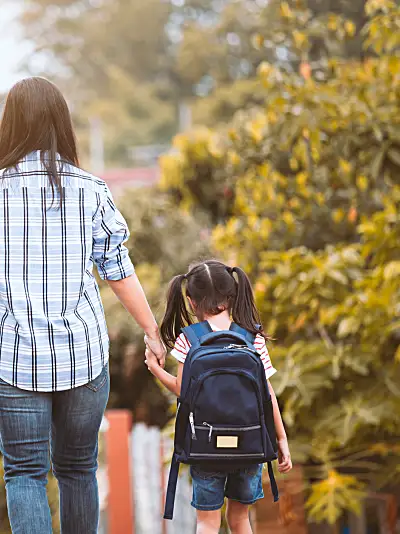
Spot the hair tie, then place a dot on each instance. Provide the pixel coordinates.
(229, 270)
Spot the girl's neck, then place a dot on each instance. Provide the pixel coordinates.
(222, 320)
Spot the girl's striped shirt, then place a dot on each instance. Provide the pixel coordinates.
(182, 346)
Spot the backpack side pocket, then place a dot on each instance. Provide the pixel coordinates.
(269, 423)
(181, 430)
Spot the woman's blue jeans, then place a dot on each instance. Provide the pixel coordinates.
(62, 427)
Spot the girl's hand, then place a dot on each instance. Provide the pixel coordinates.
(151, 361)
(284, 459)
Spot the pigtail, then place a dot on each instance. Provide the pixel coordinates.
(244, 311)
(176, 315)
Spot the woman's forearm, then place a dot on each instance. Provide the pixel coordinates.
(130, 292)
(279, 426)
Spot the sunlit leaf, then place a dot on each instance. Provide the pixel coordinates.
(329, 497)
(348, 326)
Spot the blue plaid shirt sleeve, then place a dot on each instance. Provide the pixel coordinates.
(110, 232)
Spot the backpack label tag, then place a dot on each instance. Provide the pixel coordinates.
(227, 442)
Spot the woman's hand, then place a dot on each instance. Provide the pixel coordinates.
(155, 348)
(284, 459)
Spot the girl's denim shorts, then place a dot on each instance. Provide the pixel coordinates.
(211, 487)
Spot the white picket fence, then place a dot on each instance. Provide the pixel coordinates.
(150, 475)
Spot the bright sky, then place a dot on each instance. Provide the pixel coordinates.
(12, 49)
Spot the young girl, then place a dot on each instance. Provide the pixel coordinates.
(218, 294)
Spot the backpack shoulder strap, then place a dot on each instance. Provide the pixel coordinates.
(171, 489)
(196, 331)
(247, 335)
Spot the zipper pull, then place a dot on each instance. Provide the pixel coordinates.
(211, 431)
(191, 421)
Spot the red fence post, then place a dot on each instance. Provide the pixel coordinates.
(120, 494)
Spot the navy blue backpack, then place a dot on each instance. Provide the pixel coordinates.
(225, 415)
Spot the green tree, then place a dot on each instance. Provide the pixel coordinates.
(244, 34)
(87, 37)
(112, 60)
(314, 216)
(216, 45)
(133, 63)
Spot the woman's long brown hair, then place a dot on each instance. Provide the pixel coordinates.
(36, 118)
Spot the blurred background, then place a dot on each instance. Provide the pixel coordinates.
(266, 133)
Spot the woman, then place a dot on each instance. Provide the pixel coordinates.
(56, 221)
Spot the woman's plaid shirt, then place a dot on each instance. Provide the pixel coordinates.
(53, 334)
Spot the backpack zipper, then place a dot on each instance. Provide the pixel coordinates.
(192, 426)
(210, 432)
(191, 356)
(239, 347)
(232, 456)
(230, 428)
(226, 429)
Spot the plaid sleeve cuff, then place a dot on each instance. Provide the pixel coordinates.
(117, 268)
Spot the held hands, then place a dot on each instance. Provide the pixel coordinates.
(284, 459)
(155, 351)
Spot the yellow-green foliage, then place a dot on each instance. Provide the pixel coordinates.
(312, 210)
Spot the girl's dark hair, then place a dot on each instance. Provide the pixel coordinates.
(213, 287)
(36, 118)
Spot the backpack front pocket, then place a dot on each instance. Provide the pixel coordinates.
(231, 442)
(227, 396)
